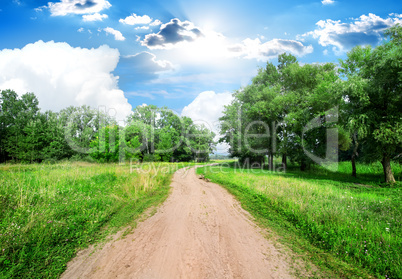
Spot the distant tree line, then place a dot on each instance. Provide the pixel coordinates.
(84, 133)
(296, 111)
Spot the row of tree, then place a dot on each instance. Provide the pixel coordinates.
(150, 134)
(306, 112)
(154, 134)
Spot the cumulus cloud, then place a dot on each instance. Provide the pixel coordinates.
(172, 33)
(206, 109)
(156, 22)
(65, 7)
(255, 49)
(136, 19)
(117, 34)
(94, 17)
(61, 75)
(361, 31)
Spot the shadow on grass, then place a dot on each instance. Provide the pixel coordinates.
(364, 182)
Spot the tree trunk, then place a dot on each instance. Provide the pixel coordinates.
(284, 161)
(271, 162)
(354, 155)
(386, 165)
(353, 165)
(303, 165)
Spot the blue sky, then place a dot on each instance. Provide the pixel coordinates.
(186, 55)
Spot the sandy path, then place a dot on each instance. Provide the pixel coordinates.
(199, 232)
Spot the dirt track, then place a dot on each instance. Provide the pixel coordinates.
(199, 232)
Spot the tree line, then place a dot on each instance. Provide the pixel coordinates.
(83, 133)
(306, 112)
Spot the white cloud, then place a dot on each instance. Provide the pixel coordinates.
(142, 28)
(255, 49)
(156, 22)
(94, 17)
(117, 34)
(361, 31)
(65, 7)
(61, 75)
(80, 30)
(172, 34)
(136, 19)
(327, 2)
(206, 109)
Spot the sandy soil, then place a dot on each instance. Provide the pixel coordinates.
(199, 232)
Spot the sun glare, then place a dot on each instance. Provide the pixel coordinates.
(211, 48)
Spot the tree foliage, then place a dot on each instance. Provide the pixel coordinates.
(372, 91)
(267, 117)
(299, 111)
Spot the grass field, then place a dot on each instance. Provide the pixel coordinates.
(349, 226)
(48, 212)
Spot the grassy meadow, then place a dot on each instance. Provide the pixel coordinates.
(48, 212)
(350, 227)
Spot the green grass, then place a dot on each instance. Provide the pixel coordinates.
(48, 212)
(349, 226)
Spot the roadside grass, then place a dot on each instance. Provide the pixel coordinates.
(349, 227)
(49, 212)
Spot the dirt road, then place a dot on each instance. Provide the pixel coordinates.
(199, 232)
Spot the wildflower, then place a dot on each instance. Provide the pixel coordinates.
(387, 229)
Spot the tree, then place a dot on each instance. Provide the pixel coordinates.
(248, 122)
(145, 117)
(165, 145)
(8, 114)
(81, 125)
(56, 147)
(106, 145)
(16, 114)
(269, 116)
(373, 92)
(201, 142)
(309, 95)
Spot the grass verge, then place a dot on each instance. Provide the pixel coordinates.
(348, 227)
(48, 212)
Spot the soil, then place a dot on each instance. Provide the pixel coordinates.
(200, 231)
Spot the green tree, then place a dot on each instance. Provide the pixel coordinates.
(145, 118)
(269, 116)
(201, 141)
(131, 140)
(373, 94)
(165, 145)
(81, 125)
(309, 95)
(56, 147)
(16, 114)
(106, 145)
